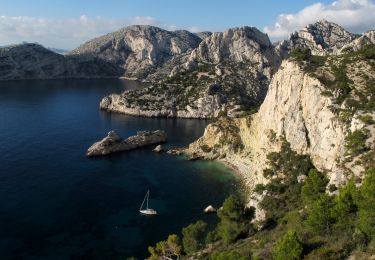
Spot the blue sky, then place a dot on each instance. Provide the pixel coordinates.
(209, 14)
(67, 23)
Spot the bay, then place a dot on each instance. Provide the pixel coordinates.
(57, 204)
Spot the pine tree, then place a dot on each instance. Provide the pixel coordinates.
(319, 218)
(288, 247)
(193, 236)
(366, 202)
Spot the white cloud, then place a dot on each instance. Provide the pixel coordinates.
(65, 33)
(354, 15)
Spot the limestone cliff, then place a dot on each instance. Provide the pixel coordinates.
(313, 117)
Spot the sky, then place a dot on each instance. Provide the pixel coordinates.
(66, 24)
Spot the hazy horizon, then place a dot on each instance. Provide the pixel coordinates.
(67, 25)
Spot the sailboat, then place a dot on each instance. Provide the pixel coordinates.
(147, 211)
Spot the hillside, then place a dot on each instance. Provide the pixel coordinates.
(315, 107)
(228, 73)
(33, 61)
(308, 158)
(140, 49)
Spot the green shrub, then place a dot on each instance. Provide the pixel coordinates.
(234, 222)
(259, 188)
(313, 186)
(355, 143)
(320, 219)
(301, 54)
(193, 236)
(345, 206)
(367, 119)
(205, 148)
(288, 247)
(368, 52)
(366, 202)
(228, 255)
(166, 249)
(222, 113)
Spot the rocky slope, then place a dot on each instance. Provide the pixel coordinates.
(33, 61)
(360, 42)
(306, 106)
(140, 49)
(322, 38)
(227, 73)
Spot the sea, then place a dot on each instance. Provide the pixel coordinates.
(55, 203)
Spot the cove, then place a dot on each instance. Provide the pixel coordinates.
(55, 203)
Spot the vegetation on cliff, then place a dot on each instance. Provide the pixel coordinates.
(237, 86)
(306, 217)
(304, 220)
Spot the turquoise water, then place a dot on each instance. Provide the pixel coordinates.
(57, 204)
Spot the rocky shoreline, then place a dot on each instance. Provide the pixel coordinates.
(115, 103)
(112, 143)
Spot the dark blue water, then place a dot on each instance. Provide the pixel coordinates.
(57, 204)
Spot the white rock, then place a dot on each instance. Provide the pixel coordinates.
(209, 209)
(158, 149)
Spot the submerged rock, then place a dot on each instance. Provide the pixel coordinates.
(112, 143)
(174, 152)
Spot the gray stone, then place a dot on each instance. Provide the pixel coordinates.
(112, 143)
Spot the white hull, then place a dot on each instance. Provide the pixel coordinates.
(148, 212)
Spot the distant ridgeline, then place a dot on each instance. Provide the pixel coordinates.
(194, 75)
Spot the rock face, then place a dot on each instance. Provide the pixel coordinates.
(139, 49)
(236, 44)
(322, 38)
(360, 42)
(112, 143)
(227, 72)
(296, 107)
(33, 61)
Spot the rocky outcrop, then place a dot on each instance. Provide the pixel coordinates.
(203, 35)
(206, 107)
(112, 143)
(236, 44)
(139, 49)
(360, 42)
(322, 38)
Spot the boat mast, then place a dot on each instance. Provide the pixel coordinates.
(144, 201)
(148, 193)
